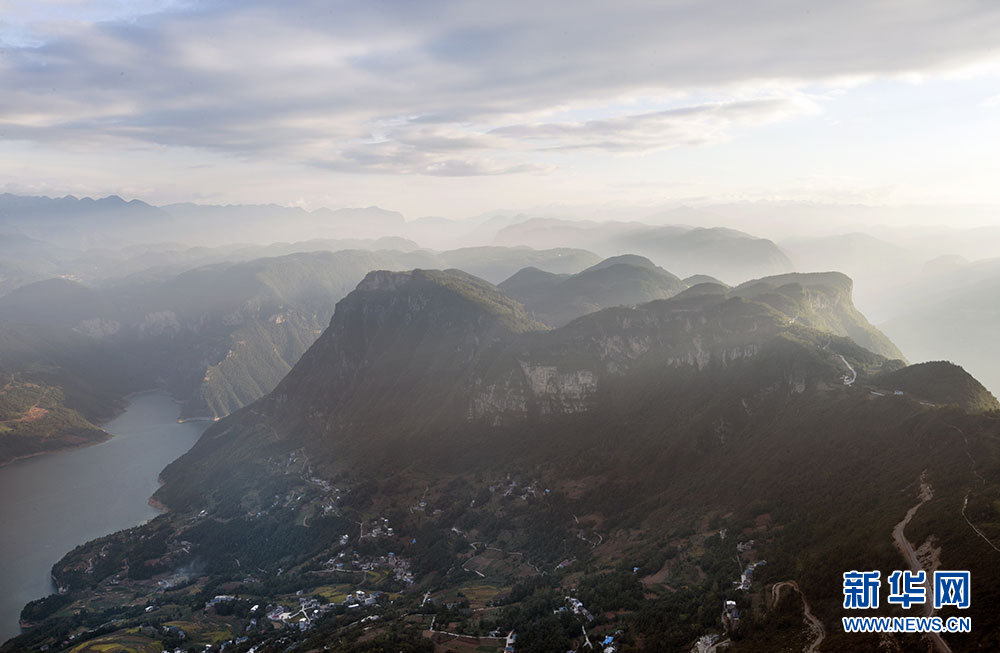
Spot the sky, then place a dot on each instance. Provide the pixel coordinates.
(457, 108)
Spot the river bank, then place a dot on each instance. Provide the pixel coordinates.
(53, 503)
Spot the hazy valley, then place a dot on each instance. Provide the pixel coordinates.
(469, 436)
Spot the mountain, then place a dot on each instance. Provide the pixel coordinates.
(55, 386)
(497, 263)
(72, 221)
(62, 209)
(529, 285)
(444, 453)
(696, 279)
(24, 259)
(942, 383)
(822, 300)
(55, 302)
(271, 223)
(728, 254)
(399, 332)
(223, 335)
(87, 223)
(557, 299)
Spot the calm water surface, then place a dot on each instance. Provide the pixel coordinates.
(51, 503)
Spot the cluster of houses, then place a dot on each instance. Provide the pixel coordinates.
(576, 607)
(310, 609)
(509, 487)
(380, 528)
(746, 578)
(297, 464)
(705, 643)
(399, 567)
(360, 597)
(730, 614)
(219, 598)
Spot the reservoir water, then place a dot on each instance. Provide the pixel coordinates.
(49, 504)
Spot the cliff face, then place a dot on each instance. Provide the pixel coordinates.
(822, 300)
(415, 355)
(563, 371)
(439, 368)
(412, 340)
(542, 387)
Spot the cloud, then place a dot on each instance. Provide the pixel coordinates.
(450, 88)
(412, 148)
(405, 164)
(692, 125)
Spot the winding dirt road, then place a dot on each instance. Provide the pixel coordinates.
(849, 380)
(904, 546)
(814, 624)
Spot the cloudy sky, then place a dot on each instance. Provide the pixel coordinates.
(439, 108)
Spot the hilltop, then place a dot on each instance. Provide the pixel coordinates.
(558, 299)
(727, 254)
(823, 301)
(55, 387)
(942, 383)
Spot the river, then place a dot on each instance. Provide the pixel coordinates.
(51, 503)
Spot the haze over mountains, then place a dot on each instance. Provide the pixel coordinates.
(220, 336)
(634, 438)
(220, 325)
(896, 272)
(524, 327)
(601, 401)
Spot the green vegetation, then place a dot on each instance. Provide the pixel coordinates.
(625, 460)
(54, 386)
(557, 300)
(223, 335)
(942, 383)
(821, 301)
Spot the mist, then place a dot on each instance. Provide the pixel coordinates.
(432, 327)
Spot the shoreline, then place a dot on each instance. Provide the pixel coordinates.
(68, 447)
(117, 412)
(105, 436)
(184, 420)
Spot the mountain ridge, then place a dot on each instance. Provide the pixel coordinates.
(624, 459)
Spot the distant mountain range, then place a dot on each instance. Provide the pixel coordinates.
(223, 335)
(98, 240)
(557, 299)
(112, 222)
(730, 255)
